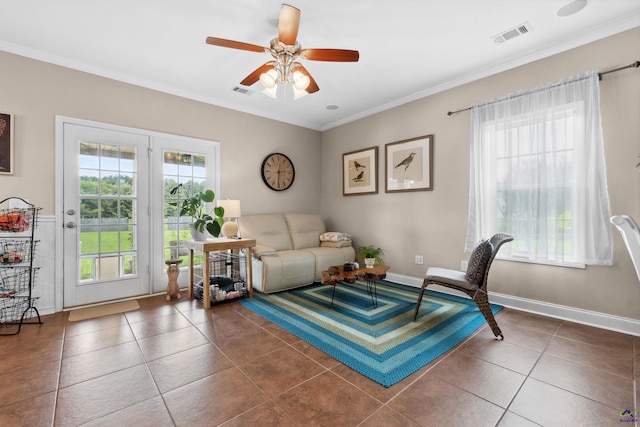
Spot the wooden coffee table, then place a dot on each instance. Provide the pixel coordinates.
(336, 275)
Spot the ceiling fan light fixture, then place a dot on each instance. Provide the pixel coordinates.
(269, 79)
(300, 81)
(285, 50)
(271, 91)
(299, 93)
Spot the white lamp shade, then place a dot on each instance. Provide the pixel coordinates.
(300, 81)
(297, 93)
(231, 208)
(272, 92)
(269, 79)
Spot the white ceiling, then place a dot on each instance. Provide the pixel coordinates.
(408, 48)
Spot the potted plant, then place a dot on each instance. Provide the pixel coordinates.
(195, 207)
(371, 255)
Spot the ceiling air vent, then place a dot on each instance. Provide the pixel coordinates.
(512, 33)
(242, 90)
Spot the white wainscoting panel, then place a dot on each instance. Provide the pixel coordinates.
(45, 284)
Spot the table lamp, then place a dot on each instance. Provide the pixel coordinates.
(231, 212)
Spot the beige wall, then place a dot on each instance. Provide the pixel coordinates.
(433, 223)
(35, 92)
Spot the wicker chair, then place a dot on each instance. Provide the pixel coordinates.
(474, 281)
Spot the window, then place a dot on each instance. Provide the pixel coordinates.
(189, 171)
(538, 174)
(108, 224)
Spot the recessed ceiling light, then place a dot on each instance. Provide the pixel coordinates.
(332, 107)
(570, 8)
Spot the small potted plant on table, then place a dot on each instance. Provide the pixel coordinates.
(371, 255)
(194, 206)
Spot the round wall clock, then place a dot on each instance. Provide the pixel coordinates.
(278, 172)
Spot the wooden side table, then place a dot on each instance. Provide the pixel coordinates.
(212, 245)
(336, 275)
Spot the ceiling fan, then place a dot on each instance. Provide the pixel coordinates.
(285, 50)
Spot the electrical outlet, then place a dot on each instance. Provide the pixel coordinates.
(419, 259)
(464, 265)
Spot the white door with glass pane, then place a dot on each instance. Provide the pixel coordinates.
(106, 214)
(193, 164)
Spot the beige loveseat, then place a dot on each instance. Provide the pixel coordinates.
(289, 251)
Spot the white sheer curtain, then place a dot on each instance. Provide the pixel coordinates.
(538, 173)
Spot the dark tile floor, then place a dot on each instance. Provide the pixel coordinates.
(178, 364)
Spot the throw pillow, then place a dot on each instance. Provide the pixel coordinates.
(334, 236)
(478, 261)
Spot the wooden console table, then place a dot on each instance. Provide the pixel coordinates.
(212, 245)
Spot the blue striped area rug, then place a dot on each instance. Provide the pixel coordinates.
(381, 343)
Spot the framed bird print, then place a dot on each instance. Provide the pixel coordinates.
(409, 165)
(360, 172)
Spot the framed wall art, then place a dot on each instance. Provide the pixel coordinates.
(409, 165)
(6, 144)
(360, 172)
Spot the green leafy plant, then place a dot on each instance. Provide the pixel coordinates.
(371, 252)
(195, 206)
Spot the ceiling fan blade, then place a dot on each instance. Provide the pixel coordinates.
(255, 75)
(333, 55)
(313, 86)
(288, 24)
(235, 45)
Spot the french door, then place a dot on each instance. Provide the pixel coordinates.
(106, 209)
(118, 214)
(192, 164)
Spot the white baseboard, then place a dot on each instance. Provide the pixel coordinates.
(572, 314)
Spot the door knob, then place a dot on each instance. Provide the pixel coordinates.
(71, 224)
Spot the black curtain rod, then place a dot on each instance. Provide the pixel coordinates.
(634, 65)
